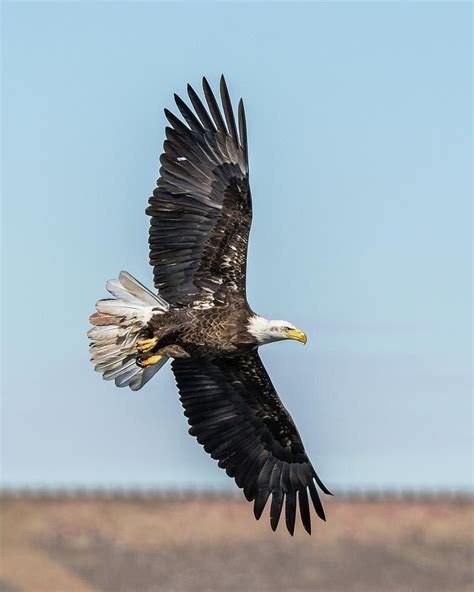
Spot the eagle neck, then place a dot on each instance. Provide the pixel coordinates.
(259, 328)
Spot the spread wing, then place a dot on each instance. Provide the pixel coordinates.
(201, 209)
(236, 414)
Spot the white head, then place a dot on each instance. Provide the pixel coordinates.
(266, 331)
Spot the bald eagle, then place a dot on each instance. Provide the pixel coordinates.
(201, 212)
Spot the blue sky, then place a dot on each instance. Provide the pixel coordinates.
(360, 137)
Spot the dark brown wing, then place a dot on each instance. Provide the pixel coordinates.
(236, 414)
(201, 210)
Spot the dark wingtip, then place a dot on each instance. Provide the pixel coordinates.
(190, 90)
(318, 506)
(178, 100)
(260, 503)
(205, 83)
(243, 128)
(290, 511)
(257, 511)
(199, 107)
(192, 94)
(222, 82)
(321, 485)
(304, 509)
(228, 110)
(276, 508)
(248, 495)
(213, 106)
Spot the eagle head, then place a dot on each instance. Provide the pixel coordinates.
(266, 331)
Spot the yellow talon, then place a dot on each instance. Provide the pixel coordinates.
(148, 361)
(146, 345)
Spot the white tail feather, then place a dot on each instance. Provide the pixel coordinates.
(117, 324)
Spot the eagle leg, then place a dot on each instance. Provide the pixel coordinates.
(148, 360)
(146, 345)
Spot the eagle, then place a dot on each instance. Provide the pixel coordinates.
(199, 317)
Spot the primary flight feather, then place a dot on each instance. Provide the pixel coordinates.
(201, 212)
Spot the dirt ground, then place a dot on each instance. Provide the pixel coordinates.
(215, 545)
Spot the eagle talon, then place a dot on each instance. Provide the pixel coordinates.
(146, 345)
(149, 360)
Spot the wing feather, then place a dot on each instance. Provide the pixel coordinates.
(201, 208)
(243, 129)
(188, 115)
(213, 107)
(200, 109)
(228, 111)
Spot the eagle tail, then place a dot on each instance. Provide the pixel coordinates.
(118, 322)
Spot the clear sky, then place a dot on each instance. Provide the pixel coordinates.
(360, 139)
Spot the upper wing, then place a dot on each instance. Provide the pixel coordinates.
(236, 414)
(201, 209)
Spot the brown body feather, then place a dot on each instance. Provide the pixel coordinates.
(219, 330)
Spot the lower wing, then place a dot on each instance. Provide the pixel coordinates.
(236, 414)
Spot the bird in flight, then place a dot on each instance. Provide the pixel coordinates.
(201, 212)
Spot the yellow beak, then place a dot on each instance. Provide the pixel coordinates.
(298, 335)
